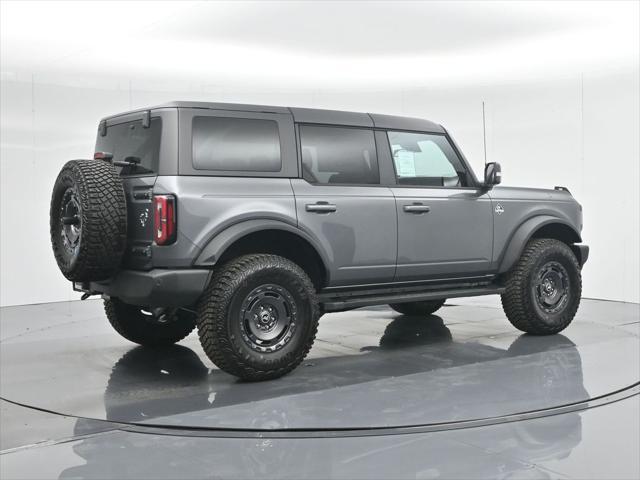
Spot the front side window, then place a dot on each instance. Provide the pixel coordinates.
(426, 160)
(131, 139)
(338, 155)
(236, 144)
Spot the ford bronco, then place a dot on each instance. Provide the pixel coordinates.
(250, 222)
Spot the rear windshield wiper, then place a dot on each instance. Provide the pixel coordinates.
(130, 164)
(108, 157)
(127, 162)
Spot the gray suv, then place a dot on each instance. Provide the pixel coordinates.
(250, 222)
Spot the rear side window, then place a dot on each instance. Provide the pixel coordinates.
(236, 144)
(131, 139)
(338, 155)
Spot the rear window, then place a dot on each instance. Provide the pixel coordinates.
(236, 144)
(131, 139)
(338, 155)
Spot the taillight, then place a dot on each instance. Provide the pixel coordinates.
(164, 219)
(103, 156)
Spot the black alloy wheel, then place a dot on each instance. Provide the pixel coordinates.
(268, 318)
(552, 287)
(70, 224)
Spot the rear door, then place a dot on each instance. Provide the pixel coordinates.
(445, 223)
(341, 203)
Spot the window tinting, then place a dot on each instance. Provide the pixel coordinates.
(131, 139)
(338, 155)
(236, 144)
(426, 159)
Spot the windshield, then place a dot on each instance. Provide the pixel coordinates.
(131, 139)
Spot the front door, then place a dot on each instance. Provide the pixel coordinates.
(445, 224)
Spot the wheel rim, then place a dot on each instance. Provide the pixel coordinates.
(551, 287)
(70, 222)
(268, 318)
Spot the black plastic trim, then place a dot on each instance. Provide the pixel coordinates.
(367, 298)
(157, 288)
(581, 252)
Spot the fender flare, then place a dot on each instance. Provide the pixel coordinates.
(216, 247)
(523, 234)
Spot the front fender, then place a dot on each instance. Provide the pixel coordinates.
(522, 235)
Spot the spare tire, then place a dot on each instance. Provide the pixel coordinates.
(88, 220)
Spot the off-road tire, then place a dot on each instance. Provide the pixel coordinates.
(426, 307)
(99, 193)
(133, 324)
(220, 316)
(519, 299)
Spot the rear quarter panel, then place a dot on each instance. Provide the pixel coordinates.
(209, 205)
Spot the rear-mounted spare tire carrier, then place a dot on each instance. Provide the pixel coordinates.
(88, 220)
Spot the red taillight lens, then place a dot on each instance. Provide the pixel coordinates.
(164, 219)
(103, 156)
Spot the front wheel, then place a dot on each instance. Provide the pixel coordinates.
(149, 327)
(258, 317)
(543, 289)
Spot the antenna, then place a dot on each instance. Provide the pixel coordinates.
(484, 134)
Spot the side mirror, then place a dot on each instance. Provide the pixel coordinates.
(492, 174)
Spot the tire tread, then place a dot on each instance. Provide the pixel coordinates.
(104, 220)
(131, 324)
(426, 307)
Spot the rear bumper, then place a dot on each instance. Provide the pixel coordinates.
(157, 288)
(581, 252)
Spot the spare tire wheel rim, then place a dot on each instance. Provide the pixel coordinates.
(551, 287)
(70, 223)
(268, 318)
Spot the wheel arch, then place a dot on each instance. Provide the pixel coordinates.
(267, 236)
(541, 226)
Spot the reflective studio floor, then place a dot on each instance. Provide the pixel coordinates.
(460, 394)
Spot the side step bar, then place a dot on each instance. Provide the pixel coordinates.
(337, 304)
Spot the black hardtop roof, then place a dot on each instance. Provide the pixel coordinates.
(309, 115)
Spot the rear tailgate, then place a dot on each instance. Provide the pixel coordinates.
(136, 143)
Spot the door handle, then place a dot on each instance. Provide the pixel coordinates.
(320, 207)
(416, 208)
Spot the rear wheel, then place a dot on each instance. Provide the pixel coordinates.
(149, 327)
(258, 318)
(418, 308)
(543, 289)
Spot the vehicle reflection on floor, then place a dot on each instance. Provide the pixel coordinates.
(145, 384)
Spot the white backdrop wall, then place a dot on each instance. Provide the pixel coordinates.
(581, 131)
